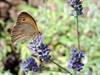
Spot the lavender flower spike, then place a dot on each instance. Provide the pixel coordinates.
(75, 60)
(39, 49)
(29, 65)
(77, 6)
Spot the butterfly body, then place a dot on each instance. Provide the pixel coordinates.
(25, 29)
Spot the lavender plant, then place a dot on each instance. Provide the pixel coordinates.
(39, 50)
(75, 56)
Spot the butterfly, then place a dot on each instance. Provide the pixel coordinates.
(25, 29)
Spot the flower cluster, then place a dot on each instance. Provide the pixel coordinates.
(77, 6)
(75, 60)
(39, 50)
(30, 65)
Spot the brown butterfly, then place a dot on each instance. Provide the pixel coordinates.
(25, 29)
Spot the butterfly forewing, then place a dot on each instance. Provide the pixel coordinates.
(25, 28)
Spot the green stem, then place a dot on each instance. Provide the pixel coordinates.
(78, 35)
(74, 72)
(61, 67)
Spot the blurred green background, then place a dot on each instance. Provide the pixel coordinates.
(59, 32)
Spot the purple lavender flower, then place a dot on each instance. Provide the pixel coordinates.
(39, 49)
(77, 6)
(29, 65)
(75, 60)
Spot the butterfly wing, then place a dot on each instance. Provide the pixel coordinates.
(25, 28)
